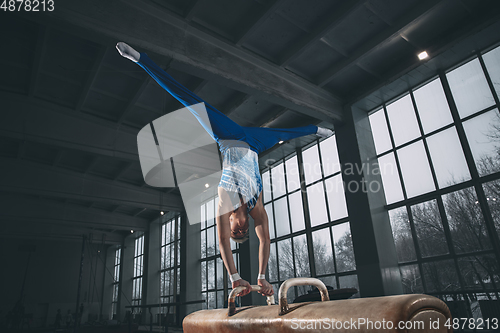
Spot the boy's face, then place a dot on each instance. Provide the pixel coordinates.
(239, 222)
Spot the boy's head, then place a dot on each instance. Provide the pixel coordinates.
(238, 221)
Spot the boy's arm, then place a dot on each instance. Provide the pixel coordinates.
(224, 234)
(261, 221)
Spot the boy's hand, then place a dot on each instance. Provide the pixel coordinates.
(243, 283)
(267, 289)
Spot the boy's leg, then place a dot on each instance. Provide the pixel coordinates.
(264, 138)
(221, 126)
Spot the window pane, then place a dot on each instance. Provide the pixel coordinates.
(344, 252)
(162, 258)
(390, 178)
(415, 168)
(429, 229)
(312, 167)
(410, 277)
(432, 106)
(210, 242)
(317, 206)
(220, 299)
(484, 139)
(329, 281)
(278, 179)
(204, 305)
(301, 256)
(220, 278)
(440, 276)
(285, 261)
(492, 62)
(281, 216)
(292, 174)
(270, 218)
(203, 275)
(329, 156)
(479, 272)
(163, 240)
(401, 232)
(336, 197)
(467, 226)
(448, 158)
(178, 281)
(211, 274)
(216, 244)
(349, 281)
(211, 300)
(403, 121)
(266, 181)
(203, 243)
(210, 214)
(203, 217)
(492, 192)
(273, 264)
(469, 88)
(323, 253)
(296, 211)
(380, 132)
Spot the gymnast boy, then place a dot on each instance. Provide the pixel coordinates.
(240, 187)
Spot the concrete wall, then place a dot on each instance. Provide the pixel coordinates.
(53, 272)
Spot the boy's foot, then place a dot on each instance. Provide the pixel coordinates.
(324, 132)
(128, 52)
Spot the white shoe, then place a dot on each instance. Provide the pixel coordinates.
(324, 132)
(128, 52)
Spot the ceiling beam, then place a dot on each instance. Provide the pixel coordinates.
(124, 169)
(134, 99)
(150, 27)
(58, 157)
(260, 18)
(38, 179)
(91, 77)
(40, 48)
(26, 209)
(39, 121)
(66, 234)
(91, 164)
(190, 10)
(272, 116)
(234, 103)
(474, 34)
(322, 29)
(139, 211)
(404, 22)
(21, 149)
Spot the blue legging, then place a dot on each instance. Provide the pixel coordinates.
(222, 128)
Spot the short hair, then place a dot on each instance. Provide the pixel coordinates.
(241, 239)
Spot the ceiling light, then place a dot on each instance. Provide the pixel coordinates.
(280, 142)
(162, 213)
(131, 231)
(423, 55)
(206, 185)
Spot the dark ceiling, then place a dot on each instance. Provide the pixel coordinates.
(71, 107)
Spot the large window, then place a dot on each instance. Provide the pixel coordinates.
(116, 282)
(315, 211)
(438, 147)
(212, 266)
(170, 260)
(138, 272)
